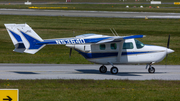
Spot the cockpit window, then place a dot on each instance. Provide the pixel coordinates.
(102, 46)
(128, 45)
(113, 46)
(139, 44)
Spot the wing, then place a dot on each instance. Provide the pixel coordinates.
(94, 39)
(119, 38)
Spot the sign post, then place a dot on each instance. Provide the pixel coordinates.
(9, 95)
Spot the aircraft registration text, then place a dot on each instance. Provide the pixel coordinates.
(70, 41)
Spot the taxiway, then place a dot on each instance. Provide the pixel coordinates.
(75, 13)
(86, 71)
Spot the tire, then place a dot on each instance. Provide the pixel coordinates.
(151, 70)
(103, 69)
(114, 70)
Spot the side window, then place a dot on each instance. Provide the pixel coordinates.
(128, 45)
(113, 46)
(102, 46)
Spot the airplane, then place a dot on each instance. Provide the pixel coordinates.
(99, 49)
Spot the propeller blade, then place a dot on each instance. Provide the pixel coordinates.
(168, 41)
(167, 47)
(70, 52)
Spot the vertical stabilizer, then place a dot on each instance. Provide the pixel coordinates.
(15, 37)
(22, 35)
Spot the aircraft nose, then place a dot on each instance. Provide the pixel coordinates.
(169, 51)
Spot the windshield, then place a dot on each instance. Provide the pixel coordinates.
(139, 44)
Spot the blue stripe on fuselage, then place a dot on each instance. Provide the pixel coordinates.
(53, 41)
(108, 54)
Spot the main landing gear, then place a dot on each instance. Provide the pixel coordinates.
(114, 70)
(103, 69)
(150, 69)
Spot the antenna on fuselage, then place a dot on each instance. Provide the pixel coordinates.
(114, 32)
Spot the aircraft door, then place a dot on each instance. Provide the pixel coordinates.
(129, 52)
(87, 48)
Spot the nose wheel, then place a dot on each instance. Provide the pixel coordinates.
(150, 69)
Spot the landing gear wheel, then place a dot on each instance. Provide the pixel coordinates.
(114, 70)
(103, 69)
(151, 70)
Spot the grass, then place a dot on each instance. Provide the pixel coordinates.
(156, 30)
(94, 90)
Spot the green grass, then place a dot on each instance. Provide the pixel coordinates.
(94, 90)
(156, 31)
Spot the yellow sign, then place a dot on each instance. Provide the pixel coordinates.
(48, 7)
(177, 3)
(9, 95)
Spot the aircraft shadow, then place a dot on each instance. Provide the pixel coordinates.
(20, 72)
(93, 71)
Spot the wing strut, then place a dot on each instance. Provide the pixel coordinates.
(120, 50)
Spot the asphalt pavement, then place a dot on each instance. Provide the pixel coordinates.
(76, 13)
(86, 71)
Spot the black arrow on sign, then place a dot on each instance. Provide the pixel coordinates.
(9, 98)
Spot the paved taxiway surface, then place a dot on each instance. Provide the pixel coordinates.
(74, 13)
(42, 3)
(86, 71)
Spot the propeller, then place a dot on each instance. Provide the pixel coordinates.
(70, 52)
(167, 47)
(168, 41)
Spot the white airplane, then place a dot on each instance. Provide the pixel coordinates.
(100, 49)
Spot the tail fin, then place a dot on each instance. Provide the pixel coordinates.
(28, 37)
(15, 37)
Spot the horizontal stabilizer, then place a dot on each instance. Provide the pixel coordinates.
(19, 47)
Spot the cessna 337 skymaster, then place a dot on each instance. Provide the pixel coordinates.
(95, 48)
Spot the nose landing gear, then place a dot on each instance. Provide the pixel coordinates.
(150, 69)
